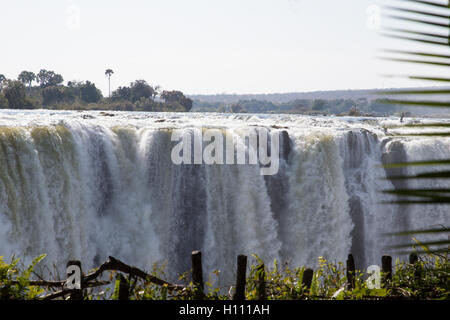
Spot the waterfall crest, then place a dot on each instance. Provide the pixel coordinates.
(85, 189)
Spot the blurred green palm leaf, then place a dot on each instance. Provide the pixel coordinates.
(421, 16)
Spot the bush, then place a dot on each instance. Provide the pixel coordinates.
(3, 102)
(15, 93)
(52, 95)
(354, 112)
(14, 282)
(90, 93)
(428, 279)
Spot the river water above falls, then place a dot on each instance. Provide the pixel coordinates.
(87, 185)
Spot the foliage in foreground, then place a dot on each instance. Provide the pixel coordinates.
(429, 278)
(15, 281)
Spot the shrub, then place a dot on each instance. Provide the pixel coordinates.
(14, 282)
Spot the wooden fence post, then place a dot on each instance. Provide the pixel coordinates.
(307, 278)
(386, 268)
(350, 272)
(239, 293)
(124, 287)
(262, 283)
(413, 259)
(197, 274)
(76, 294)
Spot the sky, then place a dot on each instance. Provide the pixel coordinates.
(201, 46)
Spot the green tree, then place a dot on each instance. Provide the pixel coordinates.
(179, 97)
(299, 108)
(89, 92)
(236, 108)
(52, 95)
(141, 89)
(2, 80)
(73, 91)
(27, 77)
(3, 101)
(56, 80)
(109, 73)
(318, 105)
(354, 112)
(122, 93)
(15, 93)
(43, 77)
(49, 78)
(146, 104)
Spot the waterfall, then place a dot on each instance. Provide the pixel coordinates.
(86, 186)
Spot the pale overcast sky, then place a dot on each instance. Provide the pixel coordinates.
(199, 46)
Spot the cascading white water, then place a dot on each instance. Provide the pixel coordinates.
(89, 185)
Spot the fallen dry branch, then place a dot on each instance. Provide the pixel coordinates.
(88, 280)
(56, 295)
(114, 264)
(45, 283)
(64, 292)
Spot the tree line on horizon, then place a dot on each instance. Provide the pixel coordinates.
(46, 89)
(341, 107)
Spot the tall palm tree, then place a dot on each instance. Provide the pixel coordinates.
(423, 15)
(109, 73)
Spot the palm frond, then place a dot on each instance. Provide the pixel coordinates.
(427, 175)
(423, 78)
(420, 231)
(421, 40)
(429, 3)
(409, 92)
(417, 163)
(418, 53)
(428, 247)
(428, 62)
(419, 12)
(422, 15)
(434, 104)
